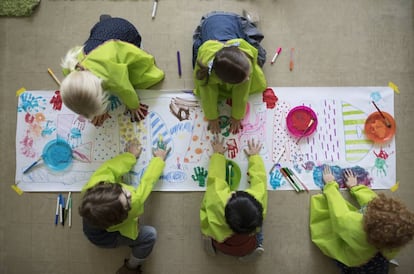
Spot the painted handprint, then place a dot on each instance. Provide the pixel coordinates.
(276, 179)
(114, 102)
(56, 101)
(200, 175)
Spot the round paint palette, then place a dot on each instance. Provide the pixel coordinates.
(376, 129)
(299, 123)
(57, 155)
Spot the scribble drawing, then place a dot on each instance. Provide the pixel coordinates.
(254, 127)
(181, 107)
(200, 175)
(175, 176)
(276, 179)
(363, 177)
(83, 152)
(159, 128)
(30, 103)
(357, 146)
(380, 165)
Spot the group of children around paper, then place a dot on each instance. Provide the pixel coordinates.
(227, 61)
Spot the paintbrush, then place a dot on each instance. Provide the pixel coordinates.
(306, 130)
(387, 123)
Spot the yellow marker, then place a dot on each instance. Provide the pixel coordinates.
(395, 187)
(17, 189)
(394, 87)
(20, 91)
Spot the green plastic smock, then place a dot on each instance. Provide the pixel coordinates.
(216, 89)
(212, 219)
(123, 67)
(336, 225)
(112, 171)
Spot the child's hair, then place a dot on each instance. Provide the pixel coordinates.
(101, 206)
(243, 213)
(230, 64)
(82, 92)
(388, 223)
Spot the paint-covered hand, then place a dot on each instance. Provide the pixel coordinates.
(235, 125)
(100, 119)
(161, 151)
(327, 175)
(217, 145)
(253, 148)
(137, 114)
(133, 147)
(200, 175)
(214, 126)
(350, 178)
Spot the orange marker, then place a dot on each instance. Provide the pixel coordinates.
(291, 59)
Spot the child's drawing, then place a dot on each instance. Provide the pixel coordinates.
(176, 118)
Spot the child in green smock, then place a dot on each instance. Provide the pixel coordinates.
(359, 240)
(231, 220)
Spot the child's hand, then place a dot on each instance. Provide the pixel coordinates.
(218, 146)
(327, 175)
(100, 119)
(161, 151)
(235, 126)
(133, 147)
(214, 126)
(350, 178)
(138, 114)
(253, 148)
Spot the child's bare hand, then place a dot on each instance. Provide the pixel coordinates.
(327, 175)
(138, 114)
(214, 126)
(218, 146)
(350, 178)
(100, 119)
(133, 147)
(254, 148)
(235, 126)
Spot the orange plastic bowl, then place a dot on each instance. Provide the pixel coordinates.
(376, 129)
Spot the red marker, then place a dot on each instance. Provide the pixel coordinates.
(276, 55)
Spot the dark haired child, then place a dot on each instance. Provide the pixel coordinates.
(110, 208)
(359, 240)
(231, 221)
(227, 61)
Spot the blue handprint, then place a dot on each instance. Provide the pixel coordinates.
(276, 179)
(114, 102)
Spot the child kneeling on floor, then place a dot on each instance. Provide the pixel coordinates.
(231, 221)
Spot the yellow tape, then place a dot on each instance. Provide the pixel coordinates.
(394, 87)
(395, 187)
(20, 91)
(17, 189)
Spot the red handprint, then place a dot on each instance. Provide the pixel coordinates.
(56, 101)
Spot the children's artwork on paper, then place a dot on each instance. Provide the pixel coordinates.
(176, 118)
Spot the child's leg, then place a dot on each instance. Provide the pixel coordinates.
(141, 246)
(259, 238)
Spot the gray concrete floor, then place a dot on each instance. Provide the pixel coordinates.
(338, 43)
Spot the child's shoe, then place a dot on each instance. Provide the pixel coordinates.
(208, 246)
(124, 269)
(252, 256)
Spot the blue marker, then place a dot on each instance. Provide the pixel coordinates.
(57, 210)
